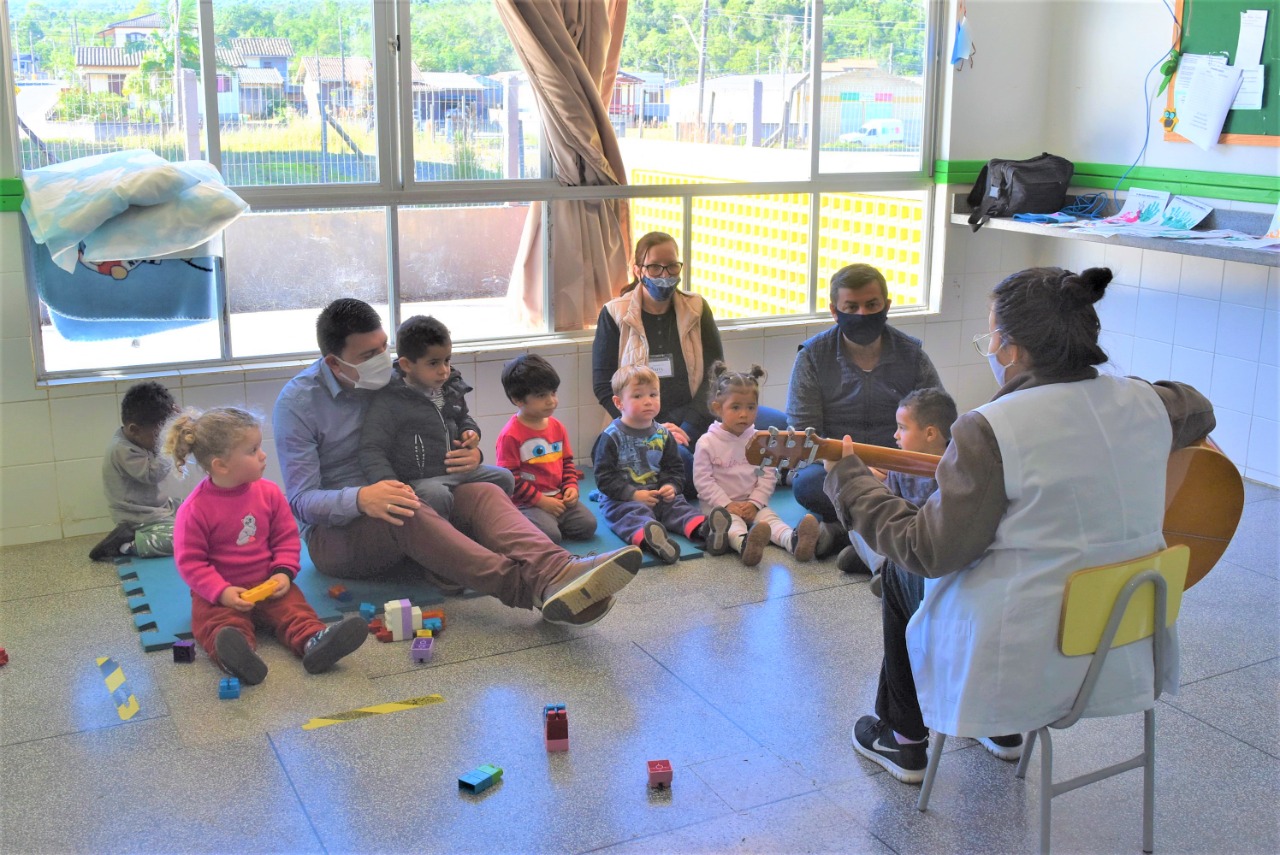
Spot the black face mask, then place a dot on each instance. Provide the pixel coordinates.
(862, 329)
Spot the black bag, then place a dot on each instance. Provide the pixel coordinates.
(1008, 187)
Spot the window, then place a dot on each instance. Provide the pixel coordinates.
(775, 144)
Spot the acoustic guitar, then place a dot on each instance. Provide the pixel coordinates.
(1203, 500)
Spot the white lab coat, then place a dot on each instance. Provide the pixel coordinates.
(1084, 472)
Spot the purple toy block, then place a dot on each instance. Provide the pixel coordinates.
(421, 649)
(184, 651)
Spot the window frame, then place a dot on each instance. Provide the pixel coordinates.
(396, 187)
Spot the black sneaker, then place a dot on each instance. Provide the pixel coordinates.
(718, 522)
(1005, 747)
(333, 642)
(876, 584)
(237, 658)
(874, 740)
(655, 537)
(829, 540)
(109, 547)
(849, 561)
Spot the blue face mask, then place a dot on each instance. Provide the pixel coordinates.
(997, 369)
(661, 288)
(862, 329)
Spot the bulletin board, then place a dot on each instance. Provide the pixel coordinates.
(1212, 26)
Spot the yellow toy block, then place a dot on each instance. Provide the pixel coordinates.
(260, 592)
(422, 633)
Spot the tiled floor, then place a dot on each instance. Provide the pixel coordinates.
(747, 680)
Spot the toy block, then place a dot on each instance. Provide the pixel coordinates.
(340, 593)
(368, 611)
(436, 613)
(555, 722)
(376, 626)
(402, 618)
(229, 688)
(384, 636)
(184, 651)
(258, 593)
(4, 657)
(421, 649)
(423, 633)
(660, 773)
(433, 624)
(480, 779)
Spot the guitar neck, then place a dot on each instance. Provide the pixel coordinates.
(791, 447)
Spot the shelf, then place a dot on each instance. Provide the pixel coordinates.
(1243, 221)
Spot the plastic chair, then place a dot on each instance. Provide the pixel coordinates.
(1103, 608)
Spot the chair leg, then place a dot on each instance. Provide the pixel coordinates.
(1028, 744)
(1046, 789)
(930, 771)
(1148, 779)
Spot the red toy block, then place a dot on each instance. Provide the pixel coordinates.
(555, 722)
(660, 773)
(4, 657)
(383, 635)
(436, 614)
(376, 626)
(339, 592)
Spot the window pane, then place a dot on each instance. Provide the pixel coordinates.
(884, 230)
(873, 86)
(750, 255)
(284, 267)
(101, 80)
(300, 102)
(657, 214)
(740, 115)
(474, 115)
(455, 264)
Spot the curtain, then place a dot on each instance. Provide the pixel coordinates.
(570, 49)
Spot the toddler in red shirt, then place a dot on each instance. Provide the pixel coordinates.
(234, 532)
(535, 447)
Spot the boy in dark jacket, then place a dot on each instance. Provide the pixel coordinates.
(420, 416)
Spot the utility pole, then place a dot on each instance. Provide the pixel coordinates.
(177, 64)
(342, 59)
(702, 68)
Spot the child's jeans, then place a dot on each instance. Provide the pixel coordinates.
(437, 492)
(576, 523)
(626, 518)
(291, 616)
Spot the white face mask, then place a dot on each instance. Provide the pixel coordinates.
(374, 372)
(996, 368)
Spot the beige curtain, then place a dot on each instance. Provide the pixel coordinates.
(570, 50)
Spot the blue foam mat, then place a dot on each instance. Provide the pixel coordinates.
(606, 541)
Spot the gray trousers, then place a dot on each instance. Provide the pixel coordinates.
(437, 492)
(576, 523)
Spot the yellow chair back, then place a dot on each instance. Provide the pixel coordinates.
(1091, 593)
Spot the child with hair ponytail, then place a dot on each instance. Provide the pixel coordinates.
(234, 532)
(725, 478)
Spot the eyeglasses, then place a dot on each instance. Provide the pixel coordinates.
(672, 269)
(982, 341)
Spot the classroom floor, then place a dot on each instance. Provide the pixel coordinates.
(748, 681)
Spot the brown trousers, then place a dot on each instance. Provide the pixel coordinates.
(490, 547)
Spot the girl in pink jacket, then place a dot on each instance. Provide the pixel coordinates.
(724, 478)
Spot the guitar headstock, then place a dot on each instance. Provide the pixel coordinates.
(784, 449)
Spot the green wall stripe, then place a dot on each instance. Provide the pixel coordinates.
(1188, 182)
(10, 203)
(11, 187)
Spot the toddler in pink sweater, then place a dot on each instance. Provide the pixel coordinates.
(234, 532)
(723, 476)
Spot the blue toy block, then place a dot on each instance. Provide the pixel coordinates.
(368, 611)
(432, 624)
(229, 688)
(480, 779)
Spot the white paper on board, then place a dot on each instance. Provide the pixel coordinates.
(1253, 30)
(1189, 67)
(1251, 83)
(1209, 98)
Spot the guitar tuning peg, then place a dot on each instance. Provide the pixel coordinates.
(759, 469)
(773, 437)
(810, 437)
(791, 436)
(766, 460)
(783, 463)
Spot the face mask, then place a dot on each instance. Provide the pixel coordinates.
(374, 372)
(862, 329)
(661, 288)
(996, 368)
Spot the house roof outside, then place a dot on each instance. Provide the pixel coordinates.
(263, 46)
(259, 77)
(840, 66)
(106, 57)
(454, 81)
(152, 20)
(358, 69)
(229, 57)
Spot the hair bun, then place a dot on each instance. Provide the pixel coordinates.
(1088, 286)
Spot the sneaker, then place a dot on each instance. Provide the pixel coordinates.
(849, 561)
(588, 582)
(110, 546)
(1005, 747)
(805, 537)
(655, 537)
(874, 740)
(334, 642)
(238, 658)
(876, 585)
(754, 543)
(718, 522)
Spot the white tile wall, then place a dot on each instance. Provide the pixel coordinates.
(1157, 315)
(25, 433)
